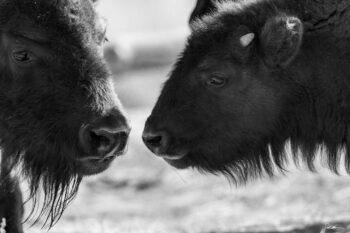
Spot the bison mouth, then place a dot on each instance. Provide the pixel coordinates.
(181, 163)
(177, 158)
(94, 165)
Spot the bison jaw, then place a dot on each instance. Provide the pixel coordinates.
(92, 166)
(179, 163)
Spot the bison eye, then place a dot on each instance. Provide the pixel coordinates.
(21, 56)
(215, 81)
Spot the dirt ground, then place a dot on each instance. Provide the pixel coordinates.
(142, 194)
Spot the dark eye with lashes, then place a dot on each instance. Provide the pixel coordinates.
(215, 81)
(22, 56)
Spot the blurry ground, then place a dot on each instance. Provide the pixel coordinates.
(141, 194)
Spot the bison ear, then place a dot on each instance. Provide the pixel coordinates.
(202, 7)
(280, 40)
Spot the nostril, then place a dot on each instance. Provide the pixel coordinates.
(154, 141)
(103, 141)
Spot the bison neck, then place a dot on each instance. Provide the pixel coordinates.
(319, 113)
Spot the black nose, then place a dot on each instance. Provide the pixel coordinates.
(104, 138)
(157, 142)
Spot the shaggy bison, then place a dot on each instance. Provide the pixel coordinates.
(60, 119)
(253, 76)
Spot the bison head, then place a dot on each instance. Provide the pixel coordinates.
(227, 96)
(60, 119)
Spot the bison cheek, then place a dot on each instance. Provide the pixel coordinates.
(260, 110)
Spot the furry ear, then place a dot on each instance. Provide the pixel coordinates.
(202, 8)
(280, 40)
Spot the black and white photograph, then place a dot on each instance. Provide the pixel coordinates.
(174, 116)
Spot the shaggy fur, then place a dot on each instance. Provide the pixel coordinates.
(44, 103)
(202, 7)
(11, 203)
(316, 15)
(290, 85)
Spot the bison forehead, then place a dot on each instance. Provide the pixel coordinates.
(229, 16)
(61, 17)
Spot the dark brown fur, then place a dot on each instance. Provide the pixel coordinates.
(290, 84)
(45, 102)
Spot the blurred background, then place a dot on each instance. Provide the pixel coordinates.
(142, 194)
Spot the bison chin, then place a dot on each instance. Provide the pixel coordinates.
(239, 162)
(49, 166)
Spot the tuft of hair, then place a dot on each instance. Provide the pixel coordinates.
(272, 158)
(235, 6)
(56, 180)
